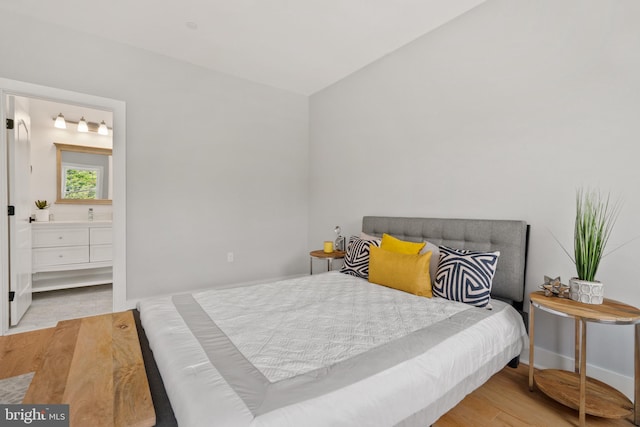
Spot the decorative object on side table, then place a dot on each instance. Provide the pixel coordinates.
(553, 287)
(340, 241)
(42, 214)
(595, 218)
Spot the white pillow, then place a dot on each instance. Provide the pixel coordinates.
(435, 258)
(366, 236)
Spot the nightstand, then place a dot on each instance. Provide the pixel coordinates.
(575, 389)
(330, 256)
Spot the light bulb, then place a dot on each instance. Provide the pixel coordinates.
(103, 130)
(82, 125)
(60, 123)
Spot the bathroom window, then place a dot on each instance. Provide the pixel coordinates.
(82, 182)
(83, 174)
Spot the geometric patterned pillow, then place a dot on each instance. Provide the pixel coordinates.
(356, 261)
(465, 276)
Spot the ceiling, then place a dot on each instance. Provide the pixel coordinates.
(297, 45)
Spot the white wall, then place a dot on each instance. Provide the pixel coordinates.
(501, 113)
(214, 163)
(43, 159)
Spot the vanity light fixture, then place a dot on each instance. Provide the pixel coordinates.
(102, 129)
(82, 125)
(60, 123)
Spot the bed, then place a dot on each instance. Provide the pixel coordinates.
(334, 349)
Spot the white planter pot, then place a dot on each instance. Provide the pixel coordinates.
(586, 292)
(42, 215)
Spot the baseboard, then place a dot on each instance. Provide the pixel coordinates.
(545, 359)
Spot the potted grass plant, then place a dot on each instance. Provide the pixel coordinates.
(42, 214)
(595, 217)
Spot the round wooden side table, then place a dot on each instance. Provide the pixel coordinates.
(330, 256)
(575, 389)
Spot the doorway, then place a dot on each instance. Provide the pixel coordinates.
(61, 253)
(116, 109)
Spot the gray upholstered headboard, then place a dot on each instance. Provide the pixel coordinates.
(508, 237)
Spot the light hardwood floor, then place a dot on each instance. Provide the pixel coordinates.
(505, 400)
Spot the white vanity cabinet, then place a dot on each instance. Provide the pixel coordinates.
(71, 254)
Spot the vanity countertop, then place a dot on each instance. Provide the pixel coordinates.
(72, 223)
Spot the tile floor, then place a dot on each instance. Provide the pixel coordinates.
(47, 308)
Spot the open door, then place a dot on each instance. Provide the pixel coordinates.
(19, 192)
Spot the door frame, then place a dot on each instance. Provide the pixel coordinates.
(118, 109)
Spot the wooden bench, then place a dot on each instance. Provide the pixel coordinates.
(95, 365)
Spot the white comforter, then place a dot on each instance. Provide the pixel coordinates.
(323, 350)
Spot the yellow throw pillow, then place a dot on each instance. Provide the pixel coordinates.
(390, 243)
(405, 272)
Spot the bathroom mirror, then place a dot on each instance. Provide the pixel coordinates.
(84, 174)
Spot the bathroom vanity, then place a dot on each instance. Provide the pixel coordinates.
(71, 254)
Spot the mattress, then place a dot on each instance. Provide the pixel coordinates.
(323, 350)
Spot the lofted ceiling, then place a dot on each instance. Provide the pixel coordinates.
(297, 45)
